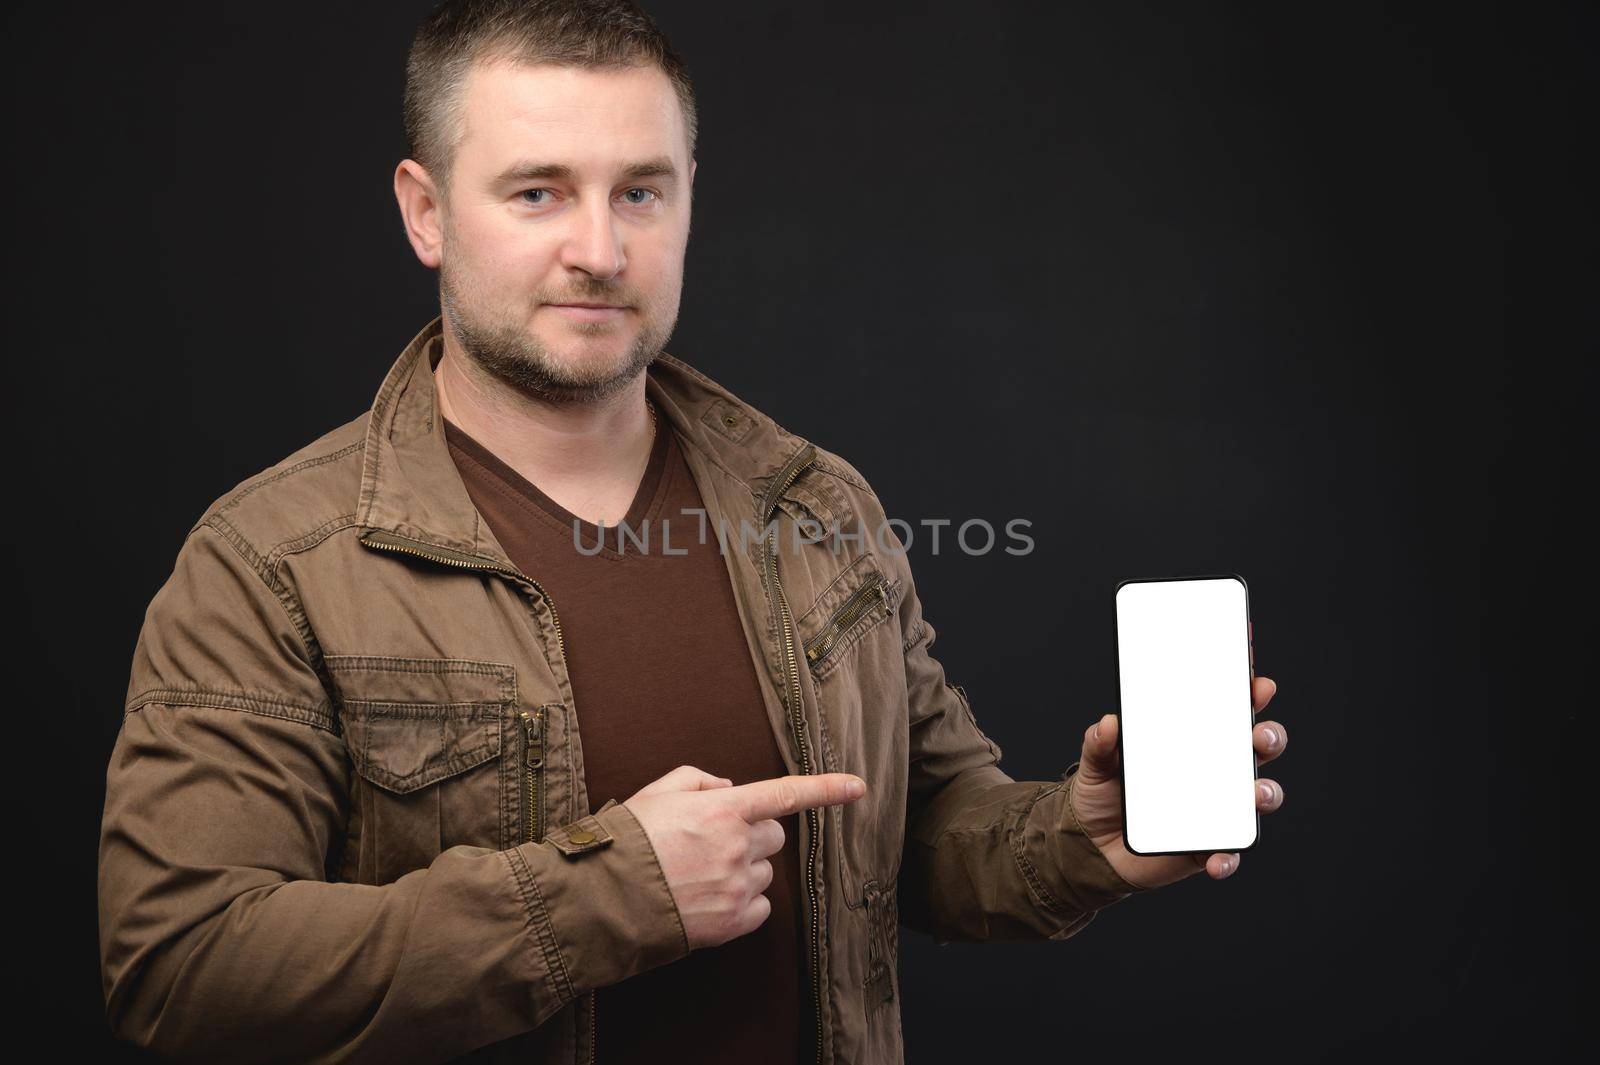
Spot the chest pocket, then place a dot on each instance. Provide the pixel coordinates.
(860, 600)
(425, 737)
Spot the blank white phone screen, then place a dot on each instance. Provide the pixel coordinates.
(1188, 763)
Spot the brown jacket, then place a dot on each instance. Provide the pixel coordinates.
(345, 816)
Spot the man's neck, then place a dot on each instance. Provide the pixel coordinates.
(588, 457)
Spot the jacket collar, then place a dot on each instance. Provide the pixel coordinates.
(410, 487)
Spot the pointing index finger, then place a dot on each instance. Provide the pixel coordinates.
(781, 796)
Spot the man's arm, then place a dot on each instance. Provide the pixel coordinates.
(221, 934)
(986, 857)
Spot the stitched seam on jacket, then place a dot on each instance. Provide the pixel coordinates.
(306, 541)
(235, 539)
(303, 464)
(1029, 874)
(829, 468)
(219, 699)
(287, 602)
(409, 664)
(539, 918)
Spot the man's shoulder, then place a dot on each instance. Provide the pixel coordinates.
(311, 491)
(840, 468)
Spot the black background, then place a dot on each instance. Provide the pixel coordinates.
(1269, 289)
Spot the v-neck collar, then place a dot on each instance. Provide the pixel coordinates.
(644, 507)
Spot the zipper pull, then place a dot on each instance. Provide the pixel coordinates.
(883, 593)
(531, 731)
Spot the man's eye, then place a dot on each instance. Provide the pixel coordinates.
(529, 194)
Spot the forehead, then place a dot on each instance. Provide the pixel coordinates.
(585, 117)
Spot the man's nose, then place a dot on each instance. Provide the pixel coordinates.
(594, 245)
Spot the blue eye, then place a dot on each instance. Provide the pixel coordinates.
(636, 202)
(528, 192)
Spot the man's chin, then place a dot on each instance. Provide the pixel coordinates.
(566, 376)
(581, 372)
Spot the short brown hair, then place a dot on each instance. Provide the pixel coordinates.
(590, 34)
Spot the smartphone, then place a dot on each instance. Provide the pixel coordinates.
(1185, 669)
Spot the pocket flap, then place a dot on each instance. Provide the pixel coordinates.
(411, 722)
(406, 746)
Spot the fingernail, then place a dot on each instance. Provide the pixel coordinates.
(1272, 738)
(1227, 866)
(855, 788)
(1266, 792)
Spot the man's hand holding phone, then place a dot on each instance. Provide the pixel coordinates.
(1097, 800)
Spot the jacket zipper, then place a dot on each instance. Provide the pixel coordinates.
(867, 597)
(533, 772)
(791, 665)
(533, 816)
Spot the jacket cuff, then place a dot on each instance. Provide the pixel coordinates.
(1068, 872)
(606, 905)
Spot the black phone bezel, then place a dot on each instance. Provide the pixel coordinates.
(1117, 660)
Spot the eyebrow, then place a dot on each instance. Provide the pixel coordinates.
(528, 170)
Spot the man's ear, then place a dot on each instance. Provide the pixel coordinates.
(419, 204)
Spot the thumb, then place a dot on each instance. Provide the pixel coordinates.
(1100, 758)
(685, 778)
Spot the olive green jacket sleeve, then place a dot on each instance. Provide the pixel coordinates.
(222, 933)
(986, 857)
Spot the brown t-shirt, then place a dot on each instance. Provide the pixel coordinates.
(662, 677)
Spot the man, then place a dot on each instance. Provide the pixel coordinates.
(422, 758)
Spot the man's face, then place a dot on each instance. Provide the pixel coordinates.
(568, 186)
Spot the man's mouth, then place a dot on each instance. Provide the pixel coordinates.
(590, 312)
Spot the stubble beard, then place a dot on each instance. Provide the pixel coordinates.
(516, 357)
